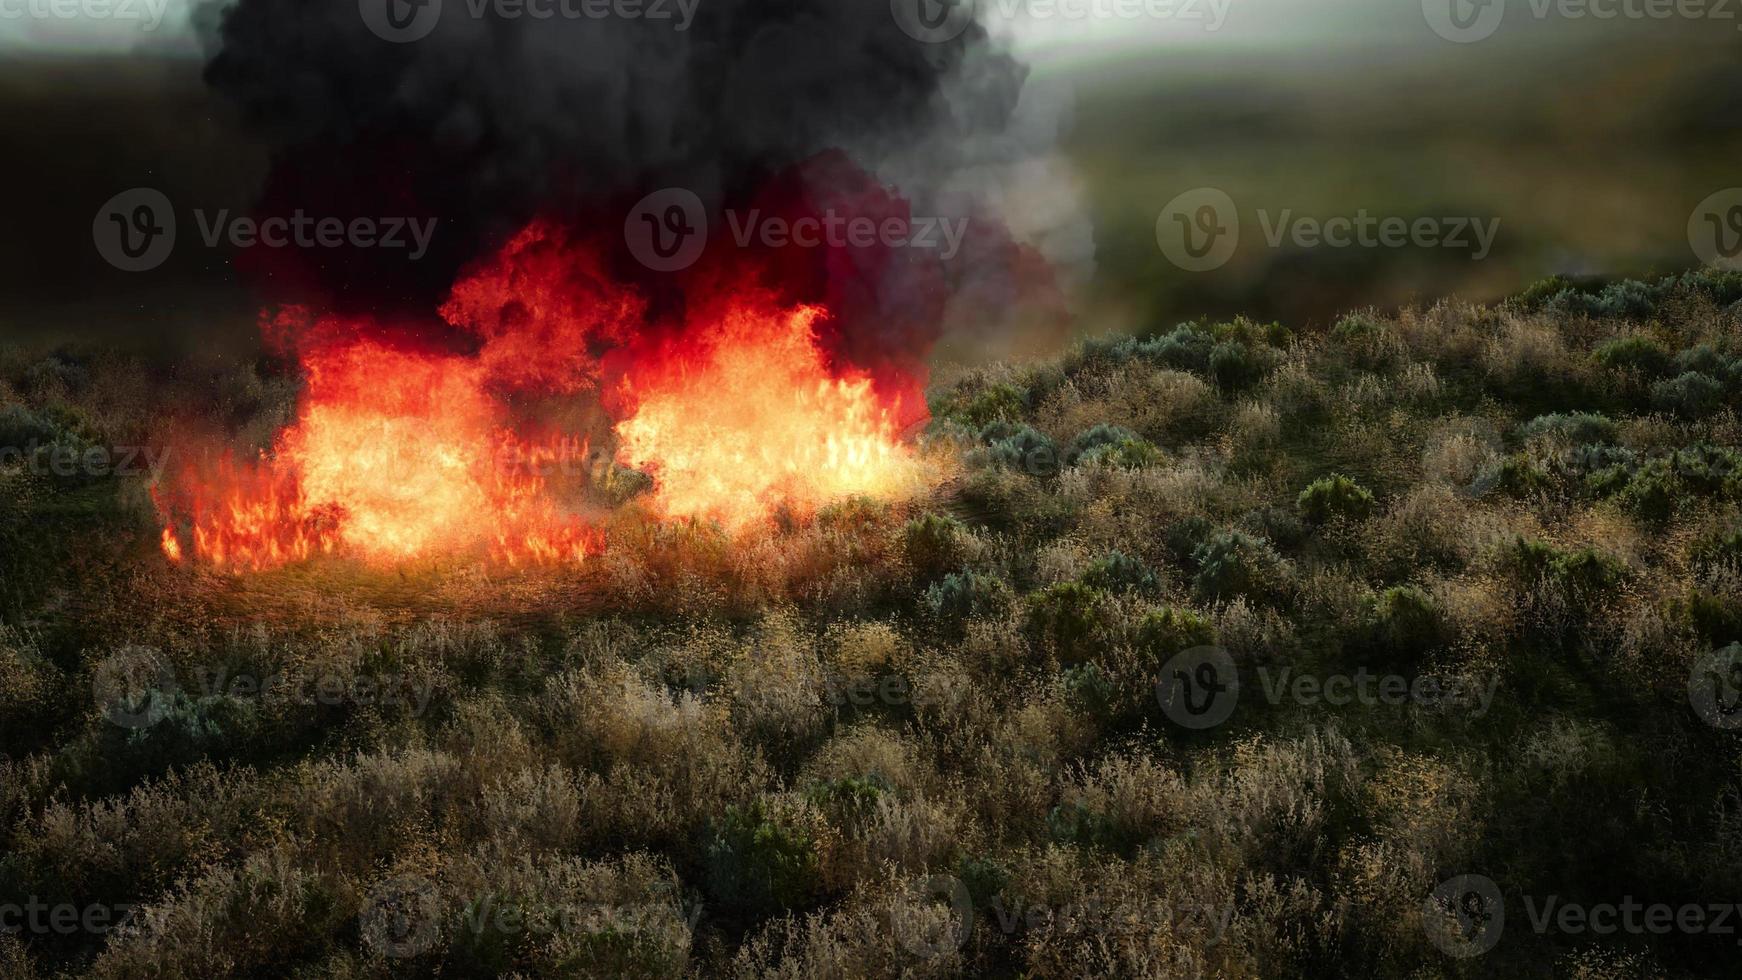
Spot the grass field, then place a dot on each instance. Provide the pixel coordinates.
(1477, 572)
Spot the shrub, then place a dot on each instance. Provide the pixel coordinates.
(1581, 575)
(1114, 446)
(1518, 476)
(1718, 549)
(1692, 395)
(1335, 496)
(850, 800)
(1234, 366)
(1186, 348)
(1000, 402)
(933, 543)
(1651, 492)
(1167, 631)
(1184, 536)
(1627, 298)
(762, 860)
(1119, 572)
(1089, 688)
(964, 595)
(1576, 428)
(1070, 618)
(1705, 360)
(1633, 353)
(1406, 622)
(1234, 564)
(1021, 448)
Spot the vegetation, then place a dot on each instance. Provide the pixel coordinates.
(924, 739)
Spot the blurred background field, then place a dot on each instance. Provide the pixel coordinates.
(1591, 142)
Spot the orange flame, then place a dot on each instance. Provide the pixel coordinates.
(752, 420)
(395, 456)
(400, 455)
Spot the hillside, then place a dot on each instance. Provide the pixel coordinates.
(1215, 651)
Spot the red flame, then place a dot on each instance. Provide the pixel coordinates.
(732, 405)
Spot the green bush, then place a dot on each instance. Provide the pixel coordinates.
(1021, 448)
(1001, 402)
(1693, 395)
(964, 595)
(1114, 446)
(1406, 623)
(1167, 631)
(1119, 572)
(1633, 353)
(933, 543)
(1575, 428)
(1186, 348)
(1704, 359)
(1234, 366)
(1070, 618)
(1334, 496)
(1581, 575)
(850, 800)
(760, 862)
(1232, 564)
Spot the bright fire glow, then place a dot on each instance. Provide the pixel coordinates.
(750, 419)
(395, 456)
(398, 455)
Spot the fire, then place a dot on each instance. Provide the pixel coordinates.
(733, 406)
(395, 456)
(752, 420)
